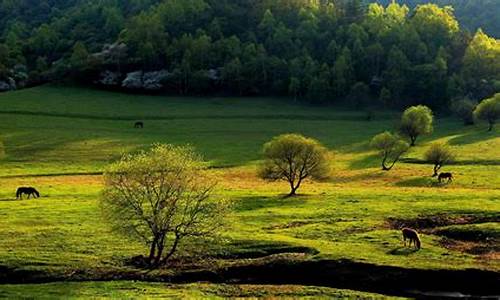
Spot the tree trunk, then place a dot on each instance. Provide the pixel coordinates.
(159, 252)
(384, 167)
(491, 126)
(413, 140)
(392, 165)
(436, 169)
(172, 249)
(152, 250)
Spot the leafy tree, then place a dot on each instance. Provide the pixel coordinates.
(342, 73)
(391, 147)
(79, 56)
(416, 121)
(385, 97)
(359, 95)
(397, 66)
(464, 109)
(489, 110)
(439, 155)
(481, 64)
(436, 25)
(161, 197)
(293, 158)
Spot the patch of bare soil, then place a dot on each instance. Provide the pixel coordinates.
(486, 250)
(293, 224)
(484, 244)
(426, 223)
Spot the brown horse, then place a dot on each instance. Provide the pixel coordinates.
(27, 191)
(139, 125)
(412, 236)
(443, 176)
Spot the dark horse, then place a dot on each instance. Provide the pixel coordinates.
(139, 125)
(442, 176)
(412, 236)
(27, 191)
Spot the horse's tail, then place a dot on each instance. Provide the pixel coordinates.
(18, 193)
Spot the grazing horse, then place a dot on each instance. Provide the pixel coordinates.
(442, 176)
(27, 191)
(139, 125)
(412, 236)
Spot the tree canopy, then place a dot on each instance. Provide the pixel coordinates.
(391, 147)
(310, 50)
(294, 158)
(416, 121)
(439, 154)
(489, 110)
(161, 197)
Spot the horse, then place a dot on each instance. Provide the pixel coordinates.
(30, 191)
(412, 236)
(139, 125)
(442, 176)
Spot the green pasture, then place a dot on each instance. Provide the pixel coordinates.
(59, 139)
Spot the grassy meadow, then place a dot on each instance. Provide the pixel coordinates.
(59, 139)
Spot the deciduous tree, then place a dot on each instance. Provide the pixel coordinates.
(416, 121)
(489, 110)
(293, 158)
(439, 154)
(161, 197)
(391, 147)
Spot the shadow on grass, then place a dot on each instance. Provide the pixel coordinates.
(472, 137)
(368, 161)
(244, 249)
(13, 199)
(402, 251)
(260, 202)
(421, 182)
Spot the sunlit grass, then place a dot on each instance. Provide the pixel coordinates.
(343, 217)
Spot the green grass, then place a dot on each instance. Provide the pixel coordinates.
(74, 133)
(143, 290)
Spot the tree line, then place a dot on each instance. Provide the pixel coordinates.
(320, 51)
(471, 14)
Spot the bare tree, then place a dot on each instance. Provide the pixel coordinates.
(293, 158)
(161, 197)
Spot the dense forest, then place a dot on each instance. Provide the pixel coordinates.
(321, 51)
(472, 15)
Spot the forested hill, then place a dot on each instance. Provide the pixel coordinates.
(321, 51)
(472, 14)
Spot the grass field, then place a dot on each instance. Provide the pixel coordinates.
(59, 139)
